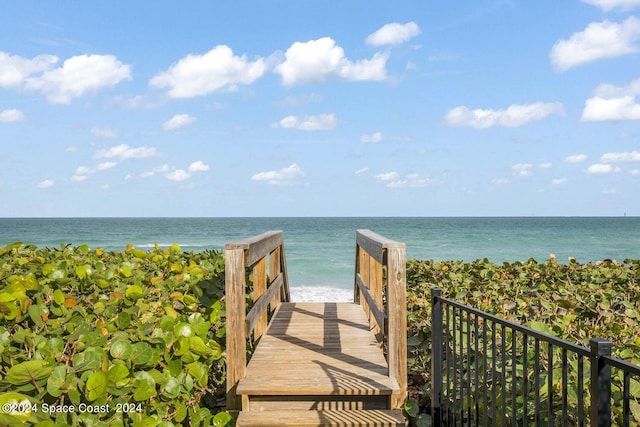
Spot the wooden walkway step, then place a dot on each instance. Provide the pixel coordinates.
(301, 418)
(318, 364)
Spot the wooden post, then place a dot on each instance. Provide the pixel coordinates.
(259, 288)
(236, 315)
(397, 307)
(364, 273)
(375, 279)
(274, 270)
(356, 290)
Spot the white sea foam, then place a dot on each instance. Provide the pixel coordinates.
(320, 294)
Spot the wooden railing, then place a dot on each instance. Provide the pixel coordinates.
(239, 256)
(380, 287)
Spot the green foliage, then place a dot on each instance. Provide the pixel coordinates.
(572, 301)
(137, 337)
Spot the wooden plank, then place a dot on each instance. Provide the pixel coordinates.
(376, 287)
(303, 418)
(318, 349)
(259, 288)
(374, 244)
(283, 266)
(236, 338)
(259, 309)
(364, 282)
(379, 316)
(274, 270)
(257, 247)
(324, 403)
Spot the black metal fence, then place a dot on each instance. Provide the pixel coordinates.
(490, 371)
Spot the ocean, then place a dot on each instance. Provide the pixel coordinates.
(321, 251)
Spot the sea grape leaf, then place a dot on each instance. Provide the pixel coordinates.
(121, 349)
(183, 330)
(123, 320)
(56, 380)
(635, 410)
(197, 345)
(26, 372)
(90, 359)
(117, 372)
(222, 419)
(171, 388)
(199, 372)
(15, 400)
(82, 271)
(141, 353)
(58, 297)
(411, 408)
(144, 387)
(134, 292)
(96, 385)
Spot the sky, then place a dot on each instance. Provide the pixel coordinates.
(320, 108)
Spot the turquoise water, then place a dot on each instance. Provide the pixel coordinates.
(321, 251)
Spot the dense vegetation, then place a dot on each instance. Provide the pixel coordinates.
(571, 301)
(137, 337)
(119, 338)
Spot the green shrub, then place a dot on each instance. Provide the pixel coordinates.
(572, 301)
(119, 338)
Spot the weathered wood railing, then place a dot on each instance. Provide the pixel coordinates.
(383, 297)
(251, 253)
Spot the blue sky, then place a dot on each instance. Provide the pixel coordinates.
(320, 108)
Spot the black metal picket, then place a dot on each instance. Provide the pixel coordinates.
(481, 373)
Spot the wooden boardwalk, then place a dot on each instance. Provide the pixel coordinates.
(316, 364)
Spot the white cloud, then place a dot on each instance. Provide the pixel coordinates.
(412, 180)
(47, 183)
(374, 137)
(11, 115)
(310, 123)
(284, 176)
(612, 103)
(104, 132)
(197, 75)
(362, 171)
(123, 151)
(545, 165)
(575, 158)
(15, 69)
(608, 5)
(600, 168)
(628, 156)
(178, 175)
(388, 176)
(316, 60)
(79, 75)
(514, 116)
(599, 40)
(83, 171)
(178, 121)
(198, 166)
(634, 172)
(394, 33)
(522, 169)
(559, 181)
